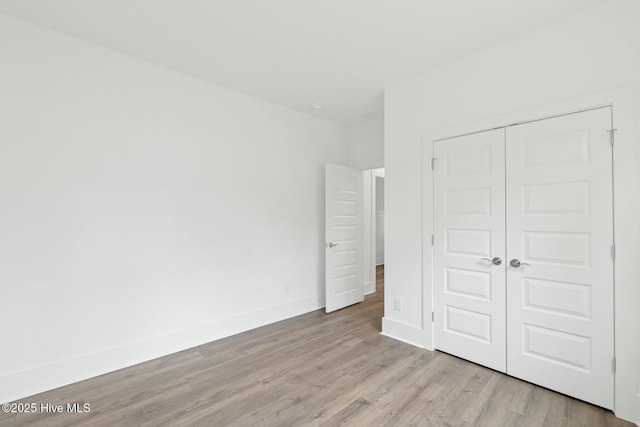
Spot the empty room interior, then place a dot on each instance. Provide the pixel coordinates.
(293, 212)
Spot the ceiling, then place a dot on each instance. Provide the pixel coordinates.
(341, 53)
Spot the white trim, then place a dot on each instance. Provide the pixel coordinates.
(627, 319)
(22, 384)
(427, 247)
(375, 173)
(541, 112)
(368, 223)
(373, 230)
(402, 332)
(366, 285)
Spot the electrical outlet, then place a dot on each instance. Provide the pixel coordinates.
(397, 304)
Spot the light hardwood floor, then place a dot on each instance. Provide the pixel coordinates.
(316, 369)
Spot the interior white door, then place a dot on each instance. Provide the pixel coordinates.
(560, 229)
(343, 229)
(469, 252)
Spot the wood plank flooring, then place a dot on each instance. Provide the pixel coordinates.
(313, 370)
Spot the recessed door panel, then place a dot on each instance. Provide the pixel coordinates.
(343, 258)
(471, 242)
(568, 299)
(474, 201)
(344, 283)
(561, 349)
(345, 233)
(557, 198)
(556, 148)
(465, 161)
(561, 248)
(468, 283)
(468, 324)
(344, 208)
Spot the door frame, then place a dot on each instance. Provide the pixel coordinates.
(370, 232)
(375, 174)
(626, 275)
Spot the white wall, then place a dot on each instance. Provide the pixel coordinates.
(143, 211)
(366, 144)
(586, 53)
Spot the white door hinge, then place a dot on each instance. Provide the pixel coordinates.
(613, 251)
(613, 365)
(611, 136)
(433, 163)
(433, 316)
(432, 240)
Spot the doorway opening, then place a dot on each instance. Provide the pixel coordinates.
(373, 235)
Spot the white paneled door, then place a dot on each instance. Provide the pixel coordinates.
(469, 272)
(343, 256)
(560, 230)
(538, 196)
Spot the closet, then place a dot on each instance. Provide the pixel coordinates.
(523, 252)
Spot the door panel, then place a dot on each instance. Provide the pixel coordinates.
(343, 255)
(559, 220)
(469, 292)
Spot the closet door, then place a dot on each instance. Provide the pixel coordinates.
(469, 248)
(559, 254)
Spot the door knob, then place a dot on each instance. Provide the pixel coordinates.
(331, 244)
(496, 260)
(516, 263)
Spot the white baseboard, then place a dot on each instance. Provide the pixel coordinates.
(379, 261)
(26, 383)
(369, 287)
(403, 332)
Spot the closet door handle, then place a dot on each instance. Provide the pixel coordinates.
(516, 263)
(496, 260)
